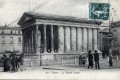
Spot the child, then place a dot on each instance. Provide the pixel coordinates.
(83, 61)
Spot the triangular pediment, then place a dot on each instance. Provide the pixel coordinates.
(25, 17)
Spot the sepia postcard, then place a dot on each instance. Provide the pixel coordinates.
(60, 39)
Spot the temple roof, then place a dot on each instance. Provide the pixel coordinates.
(32, 15)
(9, 28)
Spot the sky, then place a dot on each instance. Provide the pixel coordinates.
(10, 10)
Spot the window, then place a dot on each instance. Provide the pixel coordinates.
(115, 33)
(19, 39)
(11, 38)
(2, 31)
(3, 39)
(18, 32)
(11, 32)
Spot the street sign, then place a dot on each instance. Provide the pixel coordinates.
(99, 11)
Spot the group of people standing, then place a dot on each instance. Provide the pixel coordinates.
(12, 63)
(94, 56)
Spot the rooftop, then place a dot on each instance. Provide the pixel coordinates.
(57, 18)
(115, 24)
(10, 28)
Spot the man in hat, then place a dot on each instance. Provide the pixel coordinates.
(14, 62)
(96, 59)
(90, 59)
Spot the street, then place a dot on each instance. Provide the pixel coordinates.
(73, 71)
(62, 72)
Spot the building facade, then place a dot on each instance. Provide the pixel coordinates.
(115, 29)
(10, 39)
(54, 36)
(104, 47)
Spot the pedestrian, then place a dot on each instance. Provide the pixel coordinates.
(103, 54)
(80, 60)
(96, 59)
(83, 61)
(20, 62)
(90, 59)
(2, 59)
(14, 63)
(110, 61)
(6, 63)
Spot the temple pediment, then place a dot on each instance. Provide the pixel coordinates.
(25, 17)
(30, 15)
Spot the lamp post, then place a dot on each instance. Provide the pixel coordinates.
(110, 38)
(110, 51)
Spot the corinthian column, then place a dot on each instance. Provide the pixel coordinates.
(36, 37)
(32, 40)
(95, 36)
(67, 39)
(52, 40)
(85, 39)
(73, 38)
(89, 39)
(45, 42)
(23, 40)
(27, 41)
(61, 38)
(79, 39)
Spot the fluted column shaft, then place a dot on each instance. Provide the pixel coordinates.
(32, 40)
(36, 37)
(95, 36)
(79, 41)
(67, 39)
(84, 39)
(61, 38)
(73, 38)
(27, 40)
(45, 42)
(52, 39)
(90, 39)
